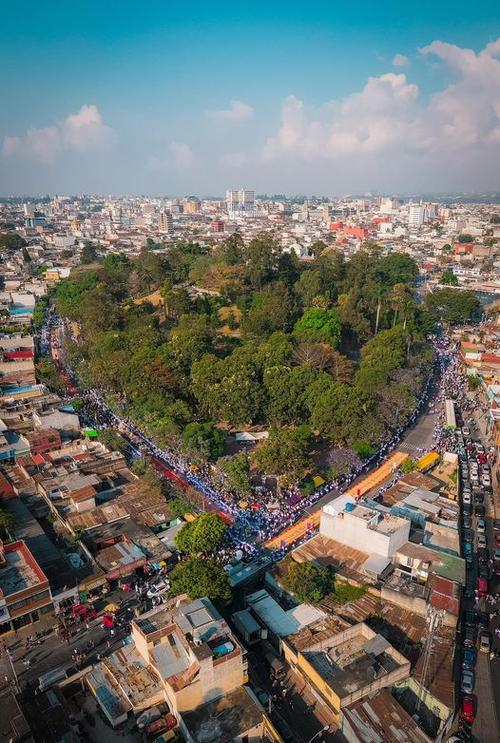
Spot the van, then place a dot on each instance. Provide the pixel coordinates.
(485, 642)
(50, 678)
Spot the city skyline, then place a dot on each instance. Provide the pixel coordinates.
(281, 100)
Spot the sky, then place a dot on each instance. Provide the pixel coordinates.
(327, 98)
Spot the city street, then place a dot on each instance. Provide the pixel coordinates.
(487, 672)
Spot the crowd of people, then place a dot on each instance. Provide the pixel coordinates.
(263, 515)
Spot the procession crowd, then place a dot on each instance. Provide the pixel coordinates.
(263, 516)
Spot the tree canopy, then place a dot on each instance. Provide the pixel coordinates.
(204, 534)
(199, 578)
(195, 342)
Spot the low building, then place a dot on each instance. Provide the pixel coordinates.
(237, 716)
(193, 652)
(24, 589)
(43, 440)
(380, 719)
(355, 525)
(349, 665)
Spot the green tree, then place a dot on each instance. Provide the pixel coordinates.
(261, 257)
(285, 454)
(89, 253)
(465, 238)
(112, 440)
(204, 534)
(408, 466)
(12, 241)
(318, 326)
(307, 582)
(237, 472)
(199, 578)
(6, 522)
(452, 306)
(205, 439)
(448, 278)
(179, 506)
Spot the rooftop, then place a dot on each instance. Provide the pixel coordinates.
(353, 659)
(347, 561)
(280, 621)
(136, 679)
(226, 719)
(20, 570)
(381, 719)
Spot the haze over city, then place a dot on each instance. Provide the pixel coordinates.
(250, 372)
(290, 98)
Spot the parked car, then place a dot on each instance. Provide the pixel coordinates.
(467, 682)
(496, 524)
(467, 522)
(469, 659)
(496, 554)
(468, 535)
(470, 618)
(486, 480)
(467, 509)
(482, 587)
(480, 510)
(469, 638)
(466, 431)
(466, 499)
(483, 555)
(496, 567)
(481, 541)
(483, 619)
(481, 526)
(497, 540)
(478, 498)
(158, 590)
(485, 642)
(484, 570)
(467, 711)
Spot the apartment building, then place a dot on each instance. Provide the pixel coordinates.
(24, 589)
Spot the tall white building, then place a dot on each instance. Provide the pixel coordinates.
(416, 215)
(240, 202)
(387, 205)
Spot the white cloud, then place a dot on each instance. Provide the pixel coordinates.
(234, 159)
(388, 115)
(85, 129)
(400, 60)
(182, 155)
(238, 111)
(80, 131)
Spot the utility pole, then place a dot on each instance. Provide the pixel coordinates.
(434, 619)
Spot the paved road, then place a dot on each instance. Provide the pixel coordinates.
(486, 727)
(54, 652)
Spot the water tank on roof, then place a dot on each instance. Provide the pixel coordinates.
(350, 507)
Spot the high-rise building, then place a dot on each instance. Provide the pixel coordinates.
(416, 215)
(165, 222)
(191, 205)
(241, 201)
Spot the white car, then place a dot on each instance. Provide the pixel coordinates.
(481, 526)
(158, 590)
(481, 541)
(466, 498)
(486, 480)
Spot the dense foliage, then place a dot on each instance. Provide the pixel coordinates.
(333, 349)
(204, 534)
(199, 578)
(307, 582)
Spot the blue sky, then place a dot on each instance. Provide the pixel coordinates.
(174, 98)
